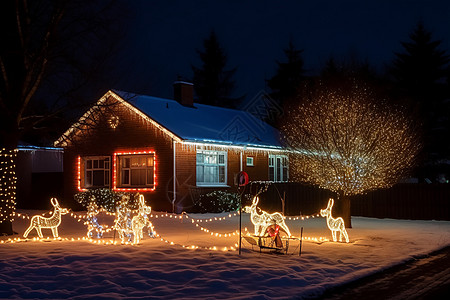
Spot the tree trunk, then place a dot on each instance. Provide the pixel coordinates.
(7, 189)
(345, 209)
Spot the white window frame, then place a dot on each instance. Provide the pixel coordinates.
(250, 161)
(280, 166)
(121, 169)
(106, 170)
(202, 164)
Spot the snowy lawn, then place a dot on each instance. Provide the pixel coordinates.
(156, 269)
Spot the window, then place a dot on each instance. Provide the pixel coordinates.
(136, 170)
(211, 168)
(278, 168)
(96, 171)
(250, 161)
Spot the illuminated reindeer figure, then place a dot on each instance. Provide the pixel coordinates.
(92, 221)
(263, 220)
(122, 223)
(38, 222)
(141, 220)
(334, 224)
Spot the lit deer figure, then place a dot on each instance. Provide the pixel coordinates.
(123, 219)
(38, 222)
(263, 220)
(140, 220)
(334, 225)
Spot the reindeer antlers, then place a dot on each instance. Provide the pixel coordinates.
(54, 202)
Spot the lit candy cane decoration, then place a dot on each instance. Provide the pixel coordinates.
(38, 222)
(334, 224)
(264, 220)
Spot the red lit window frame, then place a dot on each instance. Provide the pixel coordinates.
(80, 189)
(115, 188)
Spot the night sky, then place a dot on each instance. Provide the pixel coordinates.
(161, 36)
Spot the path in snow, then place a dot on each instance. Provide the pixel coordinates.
(426, 277)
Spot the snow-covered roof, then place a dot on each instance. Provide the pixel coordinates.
(205, 123)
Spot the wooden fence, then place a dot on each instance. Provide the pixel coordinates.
(403, 201)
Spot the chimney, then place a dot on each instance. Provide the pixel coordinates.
(183, 92)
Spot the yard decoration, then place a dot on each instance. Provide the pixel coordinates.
(141, 220)
(92, 221)
(128, 225)
(38, 222)
(263, 219)
(122, 223)
(334, 224)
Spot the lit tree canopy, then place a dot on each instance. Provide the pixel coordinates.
(349, 141)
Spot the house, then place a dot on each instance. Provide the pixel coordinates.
(169, 150)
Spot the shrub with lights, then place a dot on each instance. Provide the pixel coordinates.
(107, 199)
(217, 202)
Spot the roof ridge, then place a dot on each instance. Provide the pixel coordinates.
(172, 100)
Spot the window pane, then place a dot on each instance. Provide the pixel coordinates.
(106, 177)
(126, 177)
(285, 175)
(106, 164)
(89, 164)
(210, 167)
(150, 161)
(150, 176)
(221, 174)
(98, 178)
(126, 162)
(95, 164)
(209, 174)
(135, 162)
(88, 180)
(271, 174)
(200, 177)
(278, 168)
(138, 177)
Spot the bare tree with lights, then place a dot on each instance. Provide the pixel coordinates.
(345, 139)
(50, 50)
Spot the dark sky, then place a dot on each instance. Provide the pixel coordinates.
(162, 36)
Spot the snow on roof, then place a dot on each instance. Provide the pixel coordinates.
(205, 123)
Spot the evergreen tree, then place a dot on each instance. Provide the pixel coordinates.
(419, 73)
(285, 83)
(349, 68)
(213, 84)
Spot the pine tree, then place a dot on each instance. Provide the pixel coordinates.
(285, 83)
(419, 73)
(213, 84)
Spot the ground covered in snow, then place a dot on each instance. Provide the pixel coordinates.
(157, 269)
